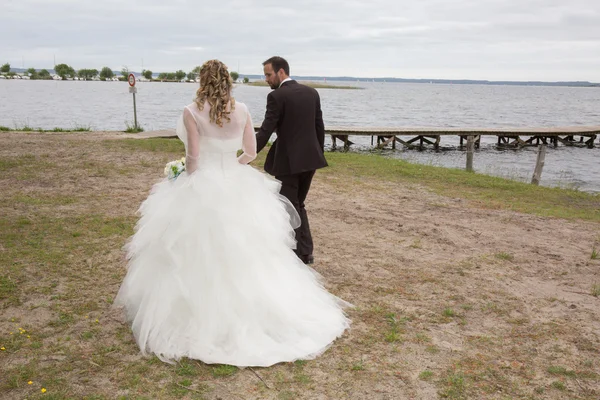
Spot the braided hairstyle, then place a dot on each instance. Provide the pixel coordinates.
(215, 88)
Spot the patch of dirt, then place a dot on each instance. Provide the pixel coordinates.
(487, 300)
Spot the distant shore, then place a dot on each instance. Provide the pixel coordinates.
(155, 77)
(315, 85)
(259, 83)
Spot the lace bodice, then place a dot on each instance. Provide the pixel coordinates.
(207, 143)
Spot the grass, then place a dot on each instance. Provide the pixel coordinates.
(287, 395)
(133, 128)
(186, 368)
(224, 370)
(448, 312)
(426, 375)
(596, 290)
(27, 128)
(315, 85)
(494, 308)
(155, 145)
(422, 338)
(558, 370)
(432, 349)
(455, 386)
(359, 366)
(82, 128)
(505, 256)
(483, 190)
(480, 376)
(594, 255)
(8, 288)
(394, 332)
(60, 250)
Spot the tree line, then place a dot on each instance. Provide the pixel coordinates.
(64, 71)
(106, 73)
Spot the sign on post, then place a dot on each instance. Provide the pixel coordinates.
(133, 90)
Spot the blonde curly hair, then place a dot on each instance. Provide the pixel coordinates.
(215, 88)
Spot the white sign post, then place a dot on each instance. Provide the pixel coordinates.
(133, 90)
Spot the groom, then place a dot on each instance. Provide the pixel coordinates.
(294, 112)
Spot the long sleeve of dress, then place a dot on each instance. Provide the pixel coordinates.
(248, 142)
(192, 151)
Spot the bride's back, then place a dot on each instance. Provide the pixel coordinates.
(213, 139)
(232, 129)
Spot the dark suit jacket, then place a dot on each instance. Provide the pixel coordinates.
(294, 112)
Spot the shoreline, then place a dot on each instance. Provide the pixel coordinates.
(423, 159)
(441, 178)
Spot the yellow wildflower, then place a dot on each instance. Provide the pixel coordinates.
(43, 390)
(2, 348)
(30, 383)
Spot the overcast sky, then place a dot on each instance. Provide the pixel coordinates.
(546, 40)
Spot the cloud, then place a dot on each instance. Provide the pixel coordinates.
(488, 39)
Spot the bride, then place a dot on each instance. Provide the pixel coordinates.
(212, 274)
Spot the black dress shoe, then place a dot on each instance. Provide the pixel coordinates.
(307, 259)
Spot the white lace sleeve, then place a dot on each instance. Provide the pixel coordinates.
(192, 148)
(248, 142)
(181, 130)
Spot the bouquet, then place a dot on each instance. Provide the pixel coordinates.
(174, 168)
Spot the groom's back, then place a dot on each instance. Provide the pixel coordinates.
(300, 131)
(300, 104)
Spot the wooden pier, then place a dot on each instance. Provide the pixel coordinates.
(582, 136)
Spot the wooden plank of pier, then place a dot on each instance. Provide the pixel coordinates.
(453, 131)
(507, 136)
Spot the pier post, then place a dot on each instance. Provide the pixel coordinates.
(539, 165)
(470, 150)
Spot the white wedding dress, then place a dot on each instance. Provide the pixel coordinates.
(212, 275)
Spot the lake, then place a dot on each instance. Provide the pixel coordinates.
(109, 106)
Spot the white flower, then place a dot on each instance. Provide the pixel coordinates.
(174, 168)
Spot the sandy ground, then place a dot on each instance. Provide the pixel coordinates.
(493, 303)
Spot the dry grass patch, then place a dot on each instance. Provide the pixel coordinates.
(457, 295)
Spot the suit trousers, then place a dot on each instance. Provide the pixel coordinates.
(295, 188)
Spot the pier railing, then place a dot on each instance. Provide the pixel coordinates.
(583, 136)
